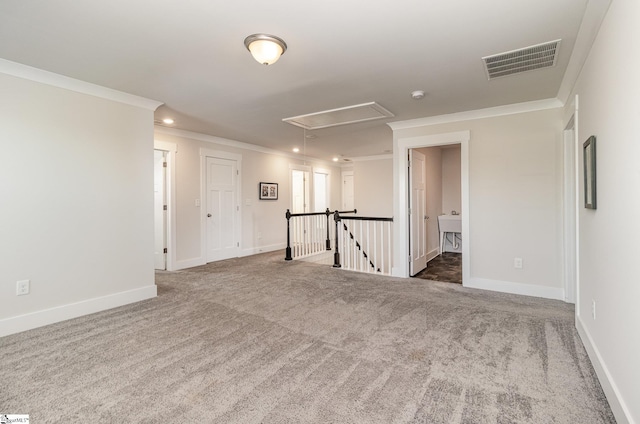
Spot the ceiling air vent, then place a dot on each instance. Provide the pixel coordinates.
(522, 60)
(340, 116)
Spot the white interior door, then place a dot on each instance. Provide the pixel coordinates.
(320, 191)
(222, 209)
(159, 208)
(347, 192)
(299, 191)
(417, 213)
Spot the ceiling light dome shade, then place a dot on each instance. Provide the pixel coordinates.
(266, 49)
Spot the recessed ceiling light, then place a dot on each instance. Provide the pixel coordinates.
(296, 150)
(168, 121)
(336, 159)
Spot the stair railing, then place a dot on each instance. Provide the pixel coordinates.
(308, 233)
(365, 243)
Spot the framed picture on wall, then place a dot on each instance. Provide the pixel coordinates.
(589, 157)
(268, 191)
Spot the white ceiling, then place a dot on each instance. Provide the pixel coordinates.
(190, 55)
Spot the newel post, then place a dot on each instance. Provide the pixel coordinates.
(336, 255)
(287, 254)
(328, 212)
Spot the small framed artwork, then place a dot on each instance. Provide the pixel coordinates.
(589, 157)
(268, 191)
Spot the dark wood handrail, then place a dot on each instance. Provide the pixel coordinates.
(367, 218)
(338, 218)
(327, 213)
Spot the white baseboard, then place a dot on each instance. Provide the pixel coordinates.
(263, 249)
(44, 317)
(618, 407)
(188, 263)
(546, 292)
(435, 252)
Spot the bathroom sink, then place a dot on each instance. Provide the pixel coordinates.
(450, 223)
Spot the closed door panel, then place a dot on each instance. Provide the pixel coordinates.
(160, 213)
(222, 209)
(418, 218)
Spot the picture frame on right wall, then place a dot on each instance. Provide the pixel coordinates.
(589, 158)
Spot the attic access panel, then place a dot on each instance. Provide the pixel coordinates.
(340, 116)
(522, 60)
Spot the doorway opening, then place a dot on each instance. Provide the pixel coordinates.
(347, 191)
(435, 192)
(402, 193)
(164, 205)
(160, 209)
(300, 190)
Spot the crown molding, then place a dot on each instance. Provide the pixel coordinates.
(478, 114)
(591, 21)
(369, 158)
(159, 129)
(56, 80)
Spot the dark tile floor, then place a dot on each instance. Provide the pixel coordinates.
(446, 268)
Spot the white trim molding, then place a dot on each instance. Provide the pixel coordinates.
(547, 292)
(370, 158)
(591, 21)
(20, 323)
(491, 112)
(189, 263)
(159, 129)
(56, 80)
(616, 402)
(263, 249)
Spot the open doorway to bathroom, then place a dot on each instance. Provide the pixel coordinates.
(442, 208)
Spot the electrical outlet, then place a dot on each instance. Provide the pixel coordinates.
(259, 235)
(517, 263)
(22, 287)
(593, 309)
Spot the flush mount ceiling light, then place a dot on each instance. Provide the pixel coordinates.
(168, 121)
(264, 48)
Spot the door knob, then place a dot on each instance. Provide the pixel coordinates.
(208, 215)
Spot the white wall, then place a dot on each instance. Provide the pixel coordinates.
(373, 187)
(609, 108)
(451, 186)
(263, 221)
(515, 173)
(76, 203)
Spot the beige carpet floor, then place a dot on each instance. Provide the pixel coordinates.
(263, 340)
